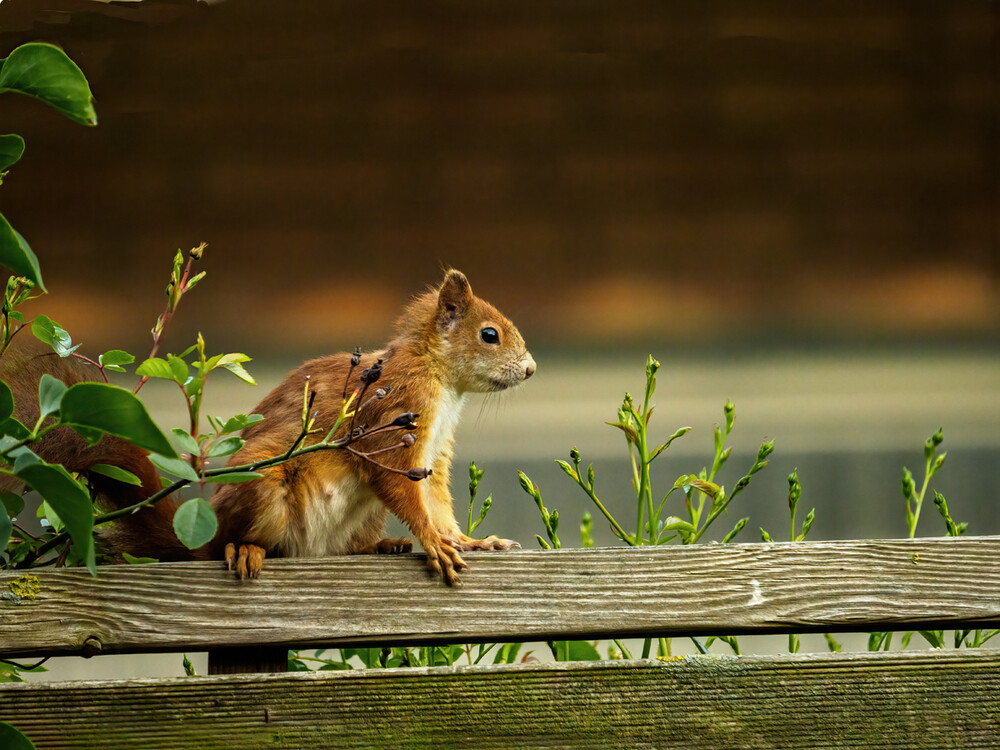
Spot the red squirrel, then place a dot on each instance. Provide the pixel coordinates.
(331, 502)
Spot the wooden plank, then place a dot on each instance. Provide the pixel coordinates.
(900, 700)
(592, 593)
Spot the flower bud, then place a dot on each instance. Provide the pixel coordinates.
(371, 374)
(766, 449)
(408, 439)
(406, 420)
(794, 489)
(418, 472)
(381, 393)
(196, 252)
(939, 462)
(356, 357)
(526, 484)
(909, 486)
(574, 454)
(729, 409)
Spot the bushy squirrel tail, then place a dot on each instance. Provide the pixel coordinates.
(148, 532)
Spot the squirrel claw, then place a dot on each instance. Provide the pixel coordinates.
(248, 563)
(443, 561)
(387, 547)
(490, 543)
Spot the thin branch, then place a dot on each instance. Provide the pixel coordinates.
(26, 668)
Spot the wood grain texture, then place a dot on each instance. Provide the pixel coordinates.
(745, 588)
(899, 700)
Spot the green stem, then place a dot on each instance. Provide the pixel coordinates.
(611, 519)
(918, 499)
(621, 647)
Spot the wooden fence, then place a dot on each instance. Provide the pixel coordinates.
(932, 699)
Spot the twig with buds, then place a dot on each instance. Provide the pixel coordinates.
(180, 283)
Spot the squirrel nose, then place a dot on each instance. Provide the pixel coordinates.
(529, 368)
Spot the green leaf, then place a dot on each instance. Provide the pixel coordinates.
(176, 466)
(12, 427)
(45, 72)
(48, 331)
(576, 651)
(115, 411)
(12, 503)
(24, 456)
(11, 739)
(570, 471)
(681, 432)
(226, 447)
(194, 385)
(154, 367)
(233, 359)
(185, 442)
(50, 394)
(70, 500)
(195, 523)
(116, 473)
(240, 372)
(240, 422)
(11, 149)
(5, 530)
(234, 477)
(630, 433)
(194, 280)
(16, 255)
(92, 436)
(131, 560)
(6, 401)
(113, 359)
(179, 368)
(47, 513)
(673, 523)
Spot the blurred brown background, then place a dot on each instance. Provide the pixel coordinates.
(606, 172)
(795, 206)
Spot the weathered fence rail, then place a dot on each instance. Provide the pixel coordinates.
(916, 699)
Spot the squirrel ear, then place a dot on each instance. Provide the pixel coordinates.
(454, 299)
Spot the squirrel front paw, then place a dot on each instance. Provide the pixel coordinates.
(443, 560)
(248, 563)
(469, 544)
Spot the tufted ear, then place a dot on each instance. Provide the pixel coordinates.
(454, 299)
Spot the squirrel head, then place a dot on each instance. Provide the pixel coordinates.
(479, 348)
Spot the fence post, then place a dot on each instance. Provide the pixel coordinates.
(248, 660)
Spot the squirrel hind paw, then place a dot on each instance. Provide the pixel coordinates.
(248, 563)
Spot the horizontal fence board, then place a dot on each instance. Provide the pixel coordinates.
(521, 595)
(901, 700)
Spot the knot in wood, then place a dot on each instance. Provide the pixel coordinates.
(92, 646)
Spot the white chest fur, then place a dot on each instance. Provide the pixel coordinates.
(441, 431)
(333, 517)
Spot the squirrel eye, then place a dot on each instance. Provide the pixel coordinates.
(490, 335)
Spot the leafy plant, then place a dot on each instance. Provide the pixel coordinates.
(913, 501)
(704, 500)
